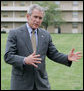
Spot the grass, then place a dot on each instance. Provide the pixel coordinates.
(60, 76)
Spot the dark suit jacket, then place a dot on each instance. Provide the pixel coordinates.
(19, 46)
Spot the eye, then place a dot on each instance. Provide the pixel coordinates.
(40, 18)
(36, 16)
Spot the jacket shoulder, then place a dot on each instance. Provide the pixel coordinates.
(17, 30)
(44, 31)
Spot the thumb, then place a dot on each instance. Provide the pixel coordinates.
(33, 53)
(72, 50)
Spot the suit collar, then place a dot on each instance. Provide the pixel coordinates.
(27, 40)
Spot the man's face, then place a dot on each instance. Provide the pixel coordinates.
(35, 19)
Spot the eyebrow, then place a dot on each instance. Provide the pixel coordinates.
(38, 16)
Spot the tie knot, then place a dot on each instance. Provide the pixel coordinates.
(33, 31)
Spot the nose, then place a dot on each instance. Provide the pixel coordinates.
(37, 19)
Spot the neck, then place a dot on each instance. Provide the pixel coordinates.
(33, 29)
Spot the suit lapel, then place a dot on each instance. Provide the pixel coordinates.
(27, 39)
(40, 40)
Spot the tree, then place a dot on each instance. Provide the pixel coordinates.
(52, 14)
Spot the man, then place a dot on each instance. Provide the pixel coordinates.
(27, 54)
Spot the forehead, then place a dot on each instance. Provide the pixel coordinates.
(37, 12)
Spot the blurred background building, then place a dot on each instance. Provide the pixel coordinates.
(13, 15)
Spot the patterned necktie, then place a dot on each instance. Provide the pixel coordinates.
(33, 39)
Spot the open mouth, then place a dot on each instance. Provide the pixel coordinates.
(36, 25)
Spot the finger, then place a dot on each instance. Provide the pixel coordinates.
(34, 65)
(78, 57)
(33, 53)
(37, 59)
(35, 56)
(76, 60)
(78, 53)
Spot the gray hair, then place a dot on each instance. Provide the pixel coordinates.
(34, 6)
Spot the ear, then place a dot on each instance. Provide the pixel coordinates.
(28, 16)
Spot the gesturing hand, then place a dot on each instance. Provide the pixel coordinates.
(32, 59)
(74, 56)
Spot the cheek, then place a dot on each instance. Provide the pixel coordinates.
(40, 21)
(30, 20)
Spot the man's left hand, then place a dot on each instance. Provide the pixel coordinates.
(74, 56)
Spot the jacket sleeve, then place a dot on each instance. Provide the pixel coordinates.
(55, 55)
(11, 56)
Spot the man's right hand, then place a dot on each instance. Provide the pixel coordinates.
(32, 59)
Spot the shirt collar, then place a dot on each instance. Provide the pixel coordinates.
(30, 29)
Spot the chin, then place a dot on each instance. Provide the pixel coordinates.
(35, 27)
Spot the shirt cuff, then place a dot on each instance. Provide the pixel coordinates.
(24, 62)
